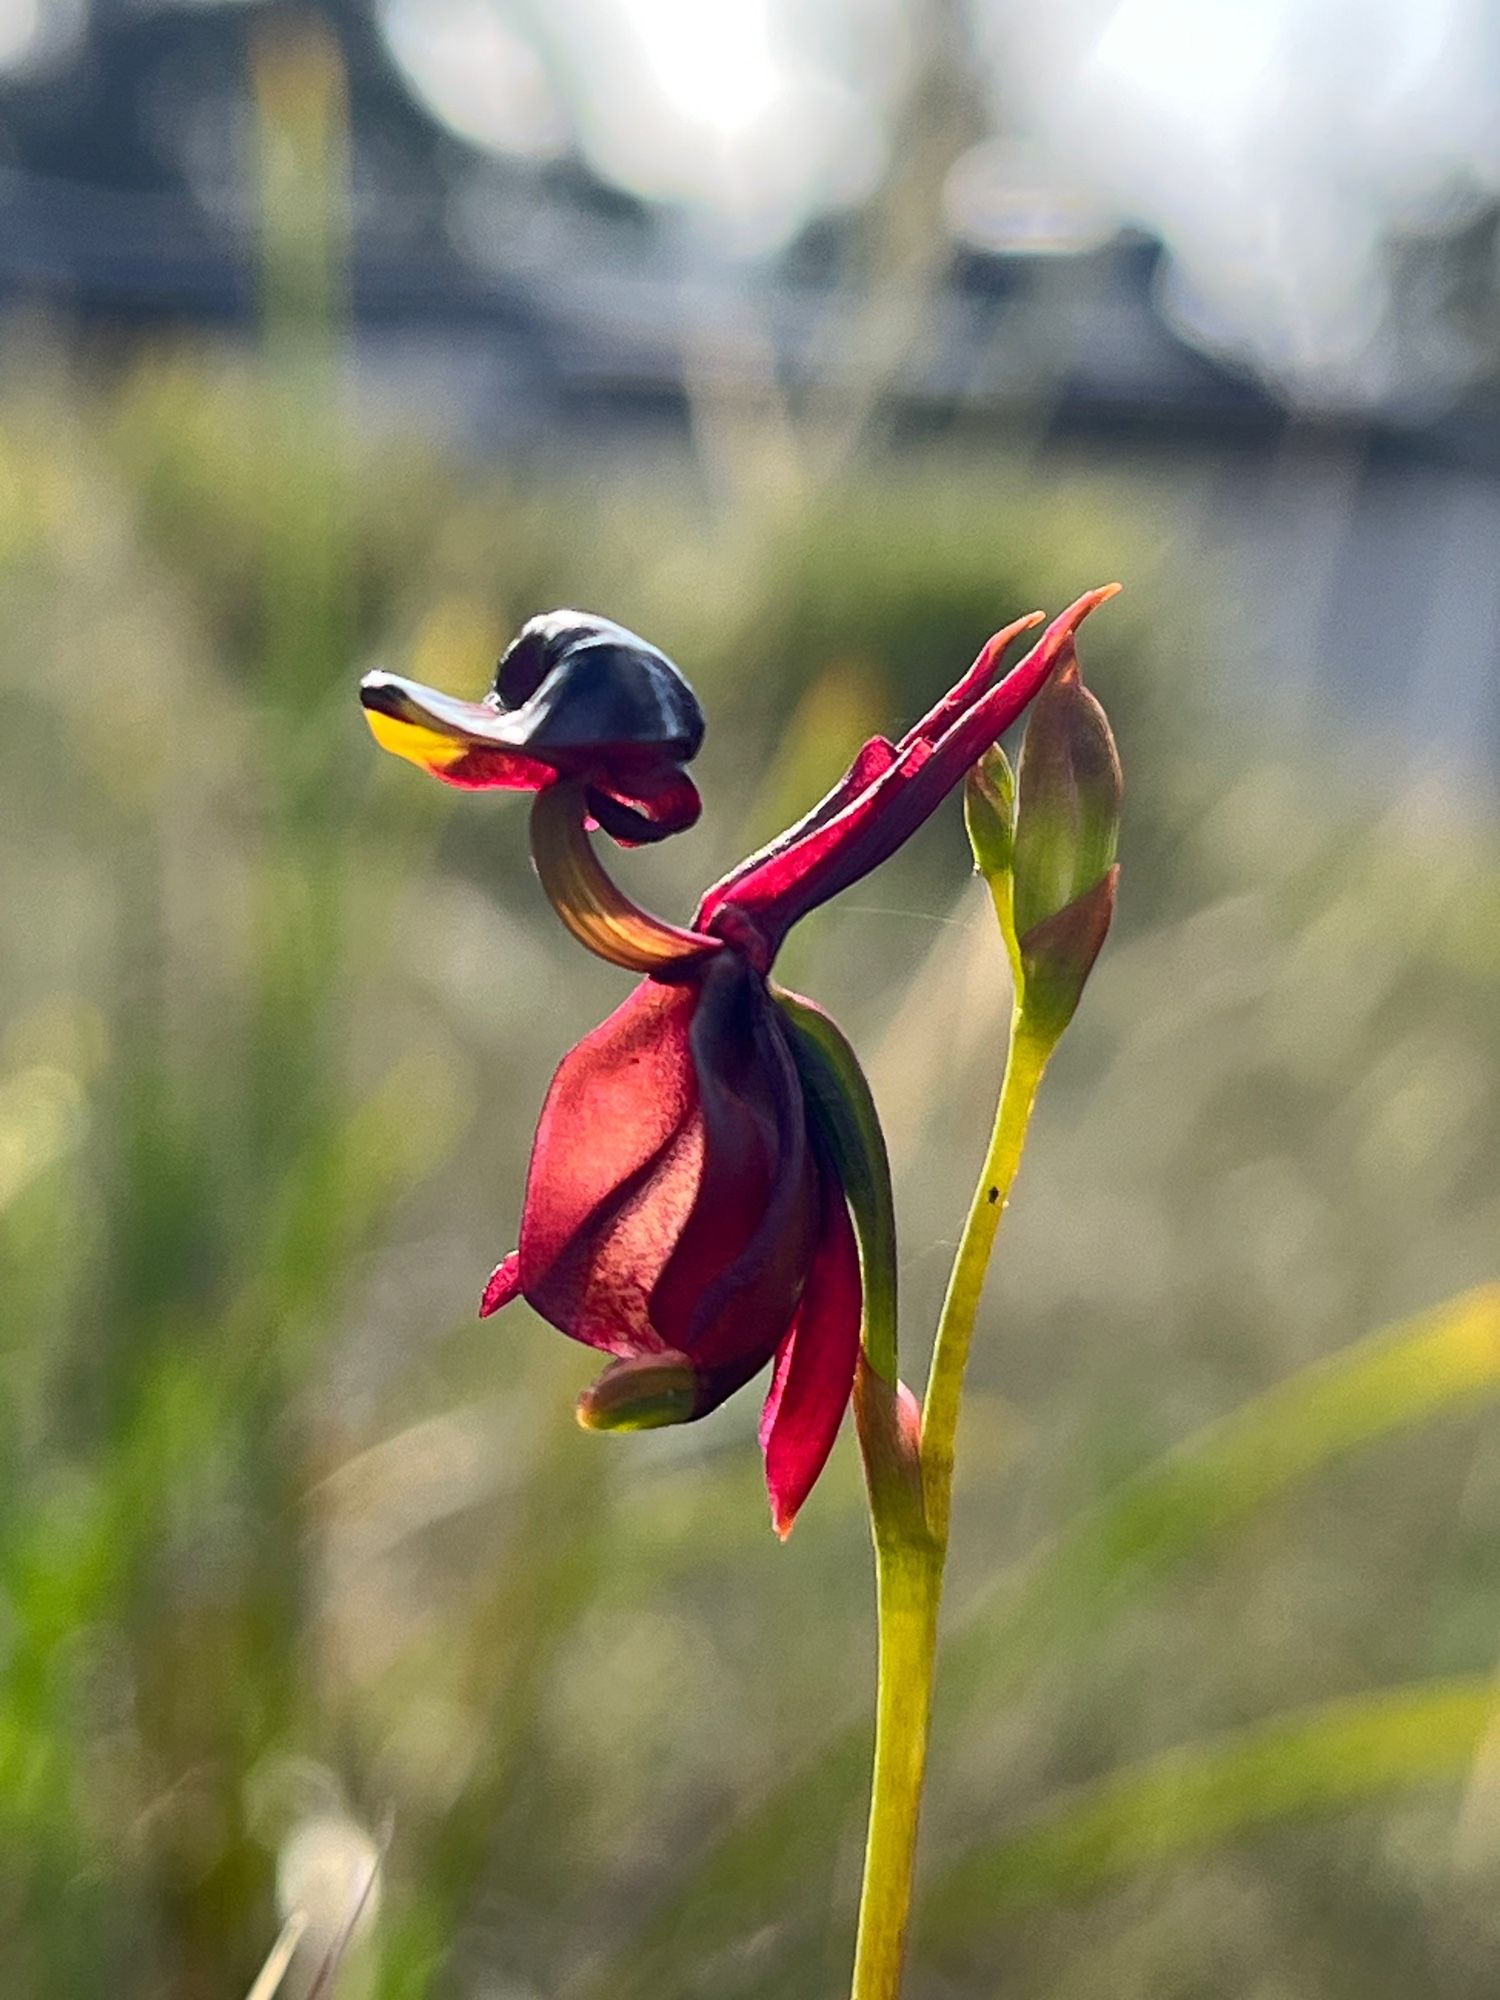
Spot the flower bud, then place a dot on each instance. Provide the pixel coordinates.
(990, 813)
(1067, 831)
(641, 1394)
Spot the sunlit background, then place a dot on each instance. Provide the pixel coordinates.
(813, 339)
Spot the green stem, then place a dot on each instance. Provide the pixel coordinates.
(950, 1355)
(911, 1541)
(909, 1586)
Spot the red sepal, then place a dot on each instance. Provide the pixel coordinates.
(815, 1365)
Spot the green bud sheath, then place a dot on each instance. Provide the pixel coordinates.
(844, 1111)
(990, 822)
(990, 813)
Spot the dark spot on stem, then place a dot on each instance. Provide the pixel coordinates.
(994, 1196)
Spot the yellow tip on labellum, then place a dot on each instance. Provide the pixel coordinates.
(427, 748)
(431, 730)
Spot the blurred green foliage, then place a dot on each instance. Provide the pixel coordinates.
(287, 1537)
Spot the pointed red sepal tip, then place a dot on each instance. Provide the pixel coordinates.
(814, 1366)
(504, 1285)
(974, 683)
(1056, 644)
(791, 879)
(1067, 657)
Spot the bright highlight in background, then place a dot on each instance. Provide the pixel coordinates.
(753, 112)
(34, 34)
(1293, 156)
(713, 64)
(476, 74)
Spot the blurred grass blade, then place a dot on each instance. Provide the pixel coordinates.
(1313, 1761)
(1179, 1506)
(333, 1958)
(268, 1979)
(1440, 1362)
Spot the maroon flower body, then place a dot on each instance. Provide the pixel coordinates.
(682, 1215)
(683, 1211)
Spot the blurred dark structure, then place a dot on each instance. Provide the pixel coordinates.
(126, 205)
(536, 308)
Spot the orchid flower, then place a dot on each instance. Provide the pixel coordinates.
(687, 1208)
(574, 697)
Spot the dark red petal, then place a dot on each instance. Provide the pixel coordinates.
(870, 829)
(815, 1368)
(734, 1279)
(614, 1172)
(671, 1203)
(873, 757)
(635, 818)
(717, 1384)
(485, 770)
(504, 1285)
